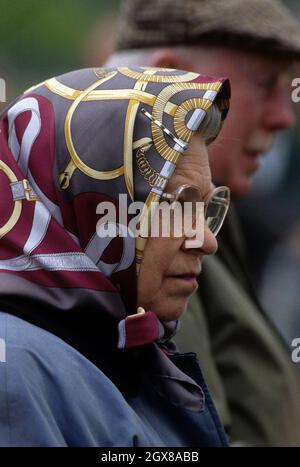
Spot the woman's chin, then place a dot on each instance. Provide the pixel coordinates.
(170, 311)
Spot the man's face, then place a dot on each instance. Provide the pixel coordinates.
(259, 107)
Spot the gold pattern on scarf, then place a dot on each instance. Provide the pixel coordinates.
(179, 119)
(106, 94)
(135, 96)
(116, 94)
(77, 162)
(140, 241)
(147, 171)
(159, 139)
(141, 142)
(9, 225)
(28, 191)
(61, 89)
(132, 109)
(149, 76)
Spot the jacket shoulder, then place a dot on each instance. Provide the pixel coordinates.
(51, 395)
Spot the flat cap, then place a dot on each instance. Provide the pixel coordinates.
(247, 24)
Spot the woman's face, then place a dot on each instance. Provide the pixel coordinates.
(168, 273)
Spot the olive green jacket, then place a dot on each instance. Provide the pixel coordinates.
(248, 369)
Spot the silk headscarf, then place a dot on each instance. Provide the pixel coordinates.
(67, 145)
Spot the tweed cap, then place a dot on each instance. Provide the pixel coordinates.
(258, 25)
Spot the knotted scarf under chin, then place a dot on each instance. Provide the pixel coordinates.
(168, 380)
(143, 328)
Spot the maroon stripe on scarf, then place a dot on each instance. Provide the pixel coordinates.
(139, 329)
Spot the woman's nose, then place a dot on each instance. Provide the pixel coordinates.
(208, 245)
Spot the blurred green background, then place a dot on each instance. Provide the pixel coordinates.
(40, 38)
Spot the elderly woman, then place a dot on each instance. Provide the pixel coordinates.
(89, 303)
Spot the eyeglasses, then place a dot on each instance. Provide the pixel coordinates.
(216, 204)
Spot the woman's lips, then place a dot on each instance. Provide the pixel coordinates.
(187, 278)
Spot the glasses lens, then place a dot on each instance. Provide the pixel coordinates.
(188, 209)
(192, 205)
(188, 194)
(217, 207)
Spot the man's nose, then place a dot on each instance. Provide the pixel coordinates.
(278, 113)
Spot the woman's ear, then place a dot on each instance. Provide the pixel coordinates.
(166, 58)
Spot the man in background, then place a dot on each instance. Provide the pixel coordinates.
(253, 42)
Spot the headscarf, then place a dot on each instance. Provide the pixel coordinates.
(67, 145)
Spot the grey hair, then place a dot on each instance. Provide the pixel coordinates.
(135, 57)
(211, 125)
(143, 56)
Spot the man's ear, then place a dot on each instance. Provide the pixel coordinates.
(166, 58)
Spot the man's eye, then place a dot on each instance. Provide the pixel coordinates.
(272, 80)
(266, 82)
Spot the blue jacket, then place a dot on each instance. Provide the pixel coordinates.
(51, 395)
